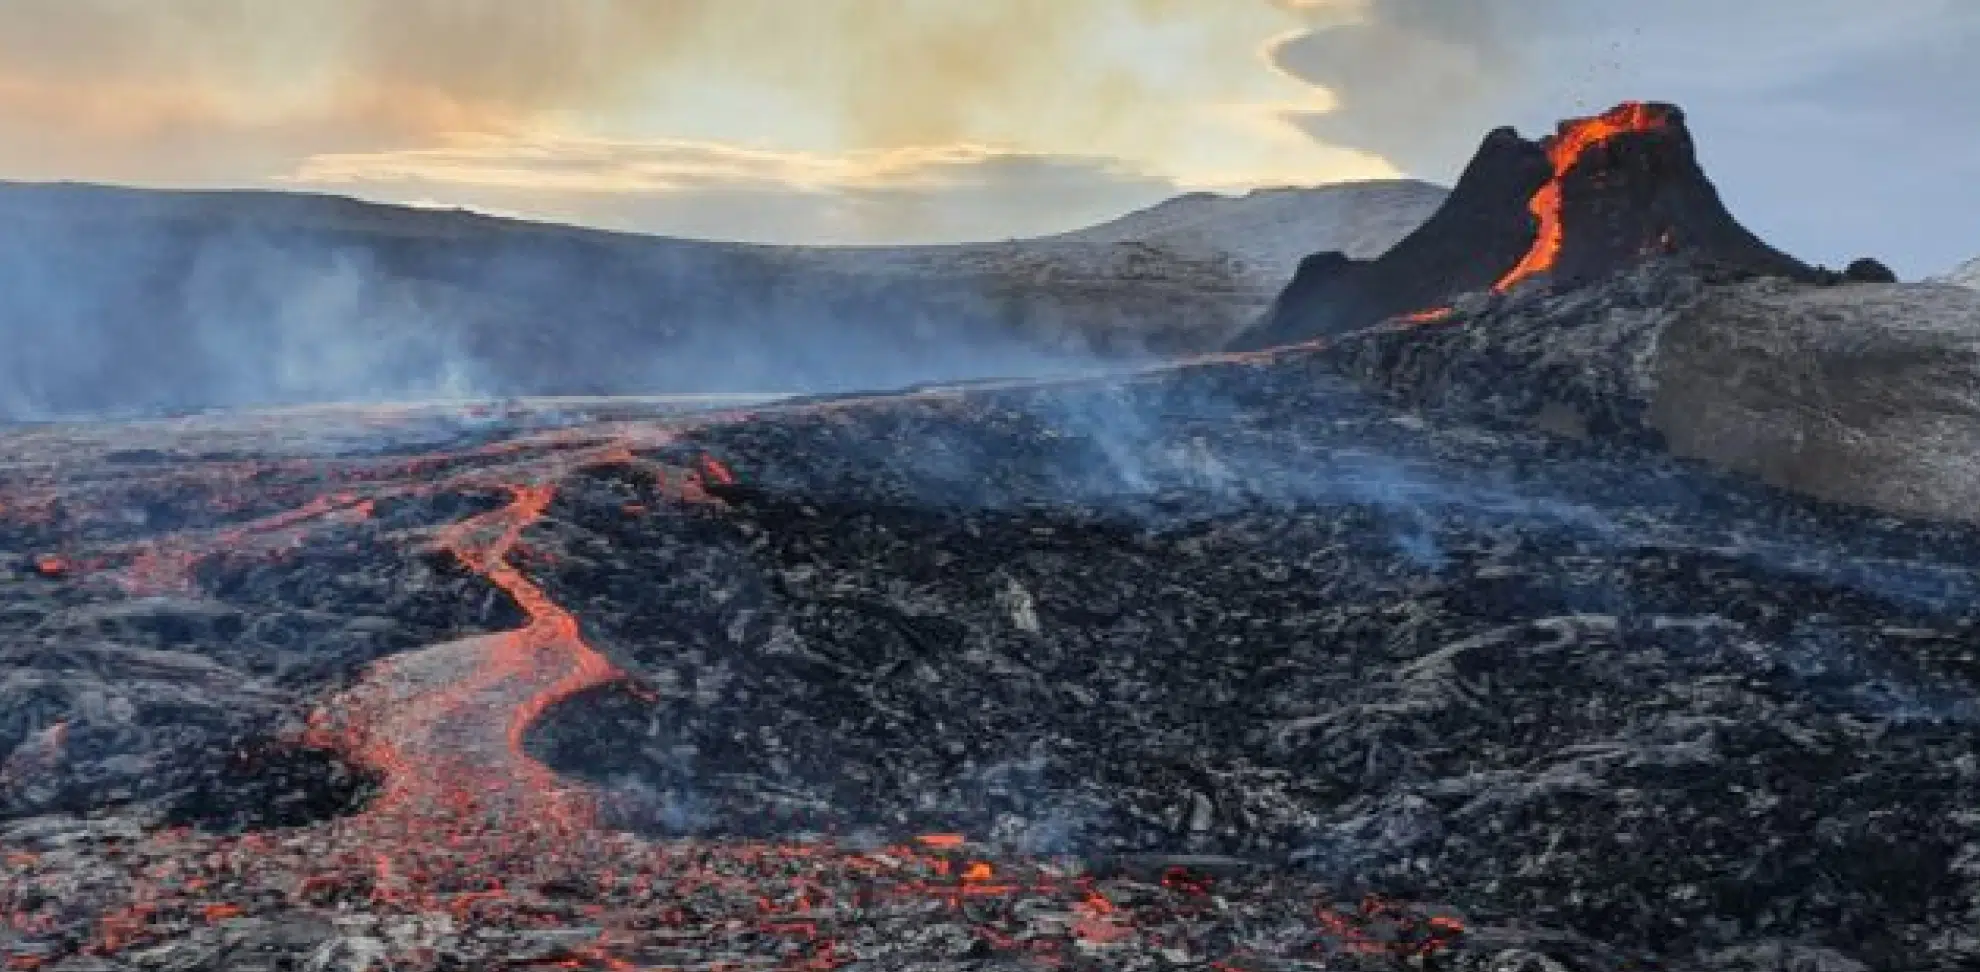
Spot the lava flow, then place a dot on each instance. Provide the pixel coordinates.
(470, 844)
(1565, 150)
(1434, 315)
(422, 719)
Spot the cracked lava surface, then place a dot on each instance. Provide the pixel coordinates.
(470, 853)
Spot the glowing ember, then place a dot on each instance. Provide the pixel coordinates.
(717, 472)
(1564, 150)
(1434, 315)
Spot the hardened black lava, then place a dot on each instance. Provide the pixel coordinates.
(1579, 684)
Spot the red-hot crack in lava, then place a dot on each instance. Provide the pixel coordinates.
(1565, 149)
(1435, 315)
(469, 830)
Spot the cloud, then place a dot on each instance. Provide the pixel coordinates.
(794, 109)
(722, 191)
(1409, 80)
(1114, 77)
(827, 112)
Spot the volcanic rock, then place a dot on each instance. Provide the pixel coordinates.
(1869, 270)
(1597, 196)
(1867, 394)
(1428, 646)
(1533, 702)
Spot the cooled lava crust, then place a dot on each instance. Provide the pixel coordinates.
(1225, 664)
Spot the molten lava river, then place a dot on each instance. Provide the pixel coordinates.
(469, 853)
(1565, 150)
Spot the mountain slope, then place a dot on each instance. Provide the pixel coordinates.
(1270, 230)
(1965, 275)
(1155, 664)
(122, 300)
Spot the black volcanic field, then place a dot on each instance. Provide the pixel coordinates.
(1617, 709)
(1622, 709)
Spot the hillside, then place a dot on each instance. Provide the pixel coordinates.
(1966, 274)
(135, 301)
(1270, 230)
(977, 680)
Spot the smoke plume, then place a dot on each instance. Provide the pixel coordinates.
(1410, 79)
(182, 85)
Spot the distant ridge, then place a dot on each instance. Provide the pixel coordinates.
(1270, 230)
(133, 301)
(1267, 229)
(1965, 275)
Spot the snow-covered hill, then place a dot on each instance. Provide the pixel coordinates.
(1966, 274)
(1268, 231)
(1252, 241)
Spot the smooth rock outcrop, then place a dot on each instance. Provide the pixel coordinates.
(1866, 394)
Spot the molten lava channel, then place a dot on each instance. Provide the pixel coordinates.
(1564, 151)
(423, 719)
(468, 829)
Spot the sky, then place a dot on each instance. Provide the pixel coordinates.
(1835, 128)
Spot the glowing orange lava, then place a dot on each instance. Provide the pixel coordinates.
(1565, 150)
(1434, 315)
(469, 828)
(423, 719)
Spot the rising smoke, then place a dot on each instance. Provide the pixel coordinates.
(122, 303)
(175, 304)
(111, 89)
(1414, 81)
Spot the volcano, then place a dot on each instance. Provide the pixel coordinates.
(1626, 618)
(1600, 194)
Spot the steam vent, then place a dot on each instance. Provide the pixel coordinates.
(1598, 195)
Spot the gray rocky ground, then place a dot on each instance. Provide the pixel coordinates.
(1405, 651)
(1268, 231)
(1864, 393)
